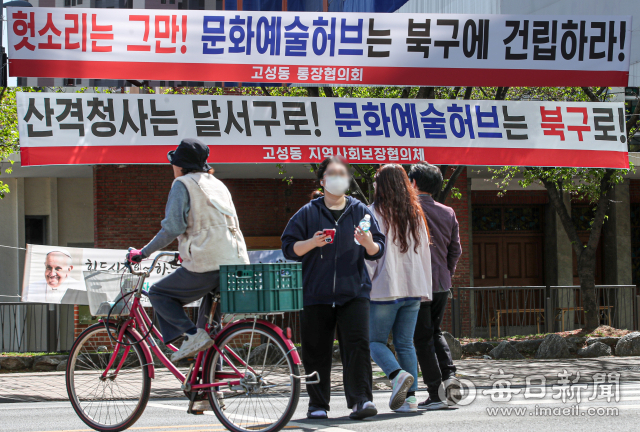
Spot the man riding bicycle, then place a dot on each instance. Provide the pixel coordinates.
(201, 215)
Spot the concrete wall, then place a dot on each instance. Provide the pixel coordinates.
(11, 236)
(75, 211)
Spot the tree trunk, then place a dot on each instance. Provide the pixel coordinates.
(585, 253)
(586, 273)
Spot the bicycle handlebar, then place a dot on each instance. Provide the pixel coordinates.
(147, 272)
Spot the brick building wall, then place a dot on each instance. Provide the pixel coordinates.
(129, 203)
(462, 277)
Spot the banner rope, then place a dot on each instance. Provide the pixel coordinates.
(13, 247)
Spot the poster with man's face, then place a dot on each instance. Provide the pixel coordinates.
(53, 275)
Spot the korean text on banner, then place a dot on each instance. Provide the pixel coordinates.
(62, 128)
(320, 47)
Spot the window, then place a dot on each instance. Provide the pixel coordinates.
(509, 219)
(581, 216)
(35, 230)
(522, 218)
(487, 219)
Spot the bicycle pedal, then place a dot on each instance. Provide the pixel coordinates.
(190, 409)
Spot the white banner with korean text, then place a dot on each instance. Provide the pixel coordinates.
(320, 47)
(54, 274)
(63, 128)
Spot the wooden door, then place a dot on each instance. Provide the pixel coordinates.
(523, 264)
(487, 261)
(508, 260)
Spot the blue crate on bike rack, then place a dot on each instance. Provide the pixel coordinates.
(261, 288)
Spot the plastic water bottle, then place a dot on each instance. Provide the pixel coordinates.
(365, 225)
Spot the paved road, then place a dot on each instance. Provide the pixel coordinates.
(169, 415)
(50, 386)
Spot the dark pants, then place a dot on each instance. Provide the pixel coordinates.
(433, 352)
(318, 326)
(169, 295)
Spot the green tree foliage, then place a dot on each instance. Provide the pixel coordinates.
(594, 185)
(9, 142)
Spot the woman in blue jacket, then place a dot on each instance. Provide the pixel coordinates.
(336, 288)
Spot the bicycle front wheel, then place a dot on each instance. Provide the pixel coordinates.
(113, 402)
(266, 396)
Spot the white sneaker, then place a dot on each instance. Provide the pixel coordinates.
(362, 410)
(401, 385)
(410, 405)
(192, 345)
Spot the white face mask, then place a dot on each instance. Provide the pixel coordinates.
(336, 185)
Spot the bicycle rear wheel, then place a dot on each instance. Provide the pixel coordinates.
(115, 402)
(266, 398)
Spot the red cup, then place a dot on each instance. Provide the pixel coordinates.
(331, 233)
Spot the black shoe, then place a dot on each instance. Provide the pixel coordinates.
(432, 404)
(452, 390)
(310, 416)
(363, 410)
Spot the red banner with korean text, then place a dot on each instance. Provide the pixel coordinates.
(63, 128)
(320, 48)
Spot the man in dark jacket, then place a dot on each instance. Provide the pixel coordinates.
(336, 289)
(432, 350)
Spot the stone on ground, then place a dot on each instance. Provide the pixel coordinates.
(553, 347)
(527, 346)
(477, 348)
(506, 351)
(612, 341)
(47, 363)
(629, 345)
(62, 366)
(596, 349)
(454, 346)
(16, 363)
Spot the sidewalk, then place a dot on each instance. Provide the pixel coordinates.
(50, 386)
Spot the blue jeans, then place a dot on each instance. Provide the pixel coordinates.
(400, 319)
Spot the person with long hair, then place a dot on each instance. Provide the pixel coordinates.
(401, 279)
(336, 288)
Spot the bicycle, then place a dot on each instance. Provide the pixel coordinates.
(111, 366)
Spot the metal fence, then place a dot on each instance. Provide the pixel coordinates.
(519, 310)
(33, 327)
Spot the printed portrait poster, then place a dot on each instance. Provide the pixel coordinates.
(55, 274)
